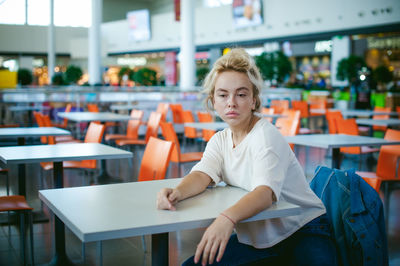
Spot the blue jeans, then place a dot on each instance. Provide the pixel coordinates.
(310, 245)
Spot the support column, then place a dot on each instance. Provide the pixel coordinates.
(187, 59)
(51, 51)
(94, 63)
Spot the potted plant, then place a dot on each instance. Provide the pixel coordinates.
(73, 74)
(274, 67)
(145, 77)
(24, 76)
(125, 74)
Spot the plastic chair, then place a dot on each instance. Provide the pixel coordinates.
(381, 109)
(398, 110)
(177, 111)
(55, 139)
(64, 124)
(92, 107)
(205, 117)
(268, 111)
(190, 132)
(289, 125)
(18, 204)
(279, 105)
(349, 127)
(177, 156)
(316, 106)
(155, 159)
(94, 134)
(387, 169)
(331, 117)
(152, 131)
(132, 132)
(162, 108)
(301, 106)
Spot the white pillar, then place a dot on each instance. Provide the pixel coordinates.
(94, 63)
(187, 59)
(51, 51)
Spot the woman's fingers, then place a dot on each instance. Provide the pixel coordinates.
(213, 252)
(221, 251)
(199, 251)
(163, 203)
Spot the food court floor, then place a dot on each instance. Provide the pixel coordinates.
(129, 251)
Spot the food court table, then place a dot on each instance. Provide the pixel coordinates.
(336, 141)
(207, 125)
(57, 154)
(379, 122)
(129, 209)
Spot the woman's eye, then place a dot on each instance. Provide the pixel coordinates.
(222, 95)
(242, 95)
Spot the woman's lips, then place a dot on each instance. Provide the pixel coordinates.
(231, 114)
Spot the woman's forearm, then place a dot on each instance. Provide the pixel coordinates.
(193, 184)
(252, 203)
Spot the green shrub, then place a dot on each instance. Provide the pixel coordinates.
(73, 74)
(145, 77)
(25, 76)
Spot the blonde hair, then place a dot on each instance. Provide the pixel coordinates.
(236, 60)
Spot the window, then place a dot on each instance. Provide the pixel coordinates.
(74, 13)
(39, 12)
(12, 11)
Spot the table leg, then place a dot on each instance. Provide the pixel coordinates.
(60, 257)
(336, 158)
(21, 173)
(159, 249)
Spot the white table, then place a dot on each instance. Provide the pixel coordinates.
(379, 122)
(208, 125)
(129, 209)
(336, 141)
(57, 154)
(23, 132)
(92, 116)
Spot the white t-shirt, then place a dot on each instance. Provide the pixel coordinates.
(262, 158)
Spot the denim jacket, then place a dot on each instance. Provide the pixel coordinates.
(355, 212)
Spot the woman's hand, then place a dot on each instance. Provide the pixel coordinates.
(214, 241)
(167, 198)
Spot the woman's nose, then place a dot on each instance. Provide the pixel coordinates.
(231, 100)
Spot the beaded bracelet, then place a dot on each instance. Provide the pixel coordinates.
(229, 218)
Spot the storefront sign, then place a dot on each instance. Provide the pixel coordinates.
(170, 68)
(139, 25)
(323, 46)
(383, 43)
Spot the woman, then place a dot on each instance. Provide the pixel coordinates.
(253, 155)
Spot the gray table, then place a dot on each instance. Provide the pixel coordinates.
(20, 133)
(57, 154)
(92, 116)
(129, 209)
(208, 126)
(379, 122)
(336, 141)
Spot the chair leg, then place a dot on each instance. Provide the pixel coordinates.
(30, 222)
(22, 236)
(83, 253)
(144, 244)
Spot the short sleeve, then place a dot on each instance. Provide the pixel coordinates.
(212, 160)
(269, 170)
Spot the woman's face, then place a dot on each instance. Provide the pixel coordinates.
(233, 98)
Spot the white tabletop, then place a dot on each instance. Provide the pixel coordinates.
(28, 108)
(60, 152)
(92, 116)
(17, 132)
(209, 125)
(378, 122)
(123, 210)
(337, 140)
(119, 107)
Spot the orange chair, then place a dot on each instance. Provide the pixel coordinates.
(331, 117)
(268, 111)
(177, 111)
(279, 105)
(302, 106)
(94, 134)
(155, 159)
(387, 169)
(18, 204)
(137, 114)
(152, 131)
(349, 127)
(169, 134)
(205, 117)
(398, 110)
(64, 124)
(132, 132)
(381, 109)
(163, 108)
(317, 107)
(40, 122)
(92, 107)
(190, 132)
(56, 139)
(289, 125)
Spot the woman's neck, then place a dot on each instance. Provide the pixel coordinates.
(239, 133)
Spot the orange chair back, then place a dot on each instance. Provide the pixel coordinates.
(331, 117)
(155, 159)
(302, 106)
(47, 123)
(348, 127)
(398, 110)
(177, 113)
(188, 117)
(268, 111)
(94, 133)
(205, 117)
(169, 134)
(132, 130)
(279, 105)
(389, 155)
(68, 108)
(39, 120)
(289, 125)
(152, 125)
(162, 108)
(92, 107)
(375, 183)
(137, 114)
(381, 109)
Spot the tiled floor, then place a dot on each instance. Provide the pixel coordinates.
(130, 251)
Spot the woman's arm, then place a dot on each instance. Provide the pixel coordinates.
(216, 236)
(192, 184)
